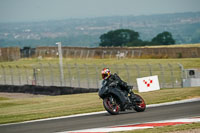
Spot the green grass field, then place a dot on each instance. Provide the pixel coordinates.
(17, 110)
(186, 62)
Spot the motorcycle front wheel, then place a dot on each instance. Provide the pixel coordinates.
(140, 104)
(111, 105)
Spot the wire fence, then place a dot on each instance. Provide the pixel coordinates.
(88, 76)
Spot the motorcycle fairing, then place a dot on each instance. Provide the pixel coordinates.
(119, 94)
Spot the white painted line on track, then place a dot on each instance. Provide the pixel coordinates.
(56, 118)
(102, 112)
(174, 102)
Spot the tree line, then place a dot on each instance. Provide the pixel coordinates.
(127, 37)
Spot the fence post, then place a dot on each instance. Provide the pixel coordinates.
(138, 70)
(42, 72)
(132, 55)
(65, 77)
(88, 53)
(140, 52)
(11, 74)
(52, 75)
(60, 62)
(110, 54)
(116, 66)
(34, 82)
(127, 70)
(87, 78)
(60, 76)
(118, 54)
(96, 75)
(172, 74)
(81, 54)
(138, 73)
(126, 54)
(4, 74)
(150, 70)
(26, 74)
(69, 72)
(19, 74)
(93, 53)
(162, 75)
(78, 75)
(182, 73)
(75, 52)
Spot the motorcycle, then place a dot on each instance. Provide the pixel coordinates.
(112, 100)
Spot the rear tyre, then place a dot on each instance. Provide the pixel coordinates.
(140, 104)
(111, 105)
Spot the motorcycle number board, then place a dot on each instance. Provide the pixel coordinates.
(146, 84)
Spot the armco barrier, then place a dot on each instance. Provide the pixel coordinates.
(44, 90)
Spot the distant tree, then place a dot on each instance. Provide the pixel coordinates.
(120, 37)
(164, 38)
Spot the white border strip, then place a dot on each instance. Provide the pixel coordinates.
(174, 102)
(132, 127)
(102, 112)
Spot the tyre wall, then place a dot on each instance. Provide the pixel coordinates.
(44, 90)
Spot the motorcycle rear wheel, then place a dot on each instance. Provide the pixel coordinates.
(140, 106)
(111, 106)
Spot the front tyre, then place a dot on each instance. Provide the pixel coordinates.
(111, 105)
(140, 104)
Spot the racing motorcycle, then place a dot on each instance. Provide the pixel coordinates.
(112, 100)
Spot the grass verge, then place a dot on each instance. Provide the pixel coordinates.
(186, 62)
(17, 110)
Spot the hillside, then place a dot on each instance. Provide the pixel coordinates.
(185, 28)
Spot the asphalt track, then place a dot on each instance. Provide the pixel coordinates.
(167, 112)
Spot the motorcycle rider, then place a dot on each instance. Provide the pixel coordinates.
(113, 80)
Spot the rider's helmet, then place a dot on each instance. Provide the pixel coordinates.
(105, 73)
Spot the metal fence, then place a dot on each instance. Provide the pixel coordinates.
(88, 76)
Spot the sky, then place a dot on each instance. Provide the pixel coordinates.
(44, 10)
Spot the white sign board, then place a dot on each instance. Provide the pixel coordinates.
(146, 84)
